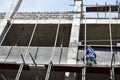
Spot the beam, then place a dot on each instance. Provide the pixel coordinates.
(13, 9)
(12, 66)
(48, 73)
(9, 15)
(98, 69)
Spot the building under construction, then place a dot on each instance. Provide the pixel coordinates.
(51, 45)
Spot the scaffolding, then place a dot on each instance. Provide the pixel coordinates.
(51, 66)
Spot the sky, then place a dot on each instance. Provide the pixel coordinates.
(52, 5)
(48, 5)
(39, 5)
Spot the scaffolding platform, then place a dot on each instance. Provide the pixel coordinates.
(102, 8)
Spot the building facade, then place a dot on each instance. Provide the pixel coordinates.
(51, 45)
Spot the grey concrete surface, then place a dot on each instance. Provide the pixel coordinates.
(40, 54)
(42, 15)
(43, 54)
(64, 54)
(15, 55)
(4, 52)
(52, 18)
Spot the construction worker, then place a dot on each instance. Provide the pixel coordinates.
(90, 56)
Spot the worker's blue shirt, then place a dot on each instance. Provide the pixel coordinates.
(90, 53)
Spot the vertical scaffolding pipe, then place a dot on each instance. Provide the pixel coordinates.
(119, 10)
(53, 51)
(35, 63)
(26, 53)
(58, 27)
(105, 9)
(84, 69)
(116, 2)
(97, 10)
(110, 31)
(48, 71)
(3, 77)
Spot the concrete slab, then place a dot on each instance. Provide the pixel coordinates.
(33, 51)
(45, 53)
(15, 55)
(56, 55)
(117, 58)
(4, 52)
(41, 55)
(64, 56)
(103, 57)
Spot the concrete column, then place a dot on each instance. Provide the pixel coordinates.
(74, 38)
(12, 10)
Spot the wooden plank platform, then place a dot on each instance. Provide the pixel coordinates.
(102, 8)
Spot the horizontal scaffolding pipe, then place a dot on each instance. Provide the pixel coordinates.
(103, 40)
(94, 5)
